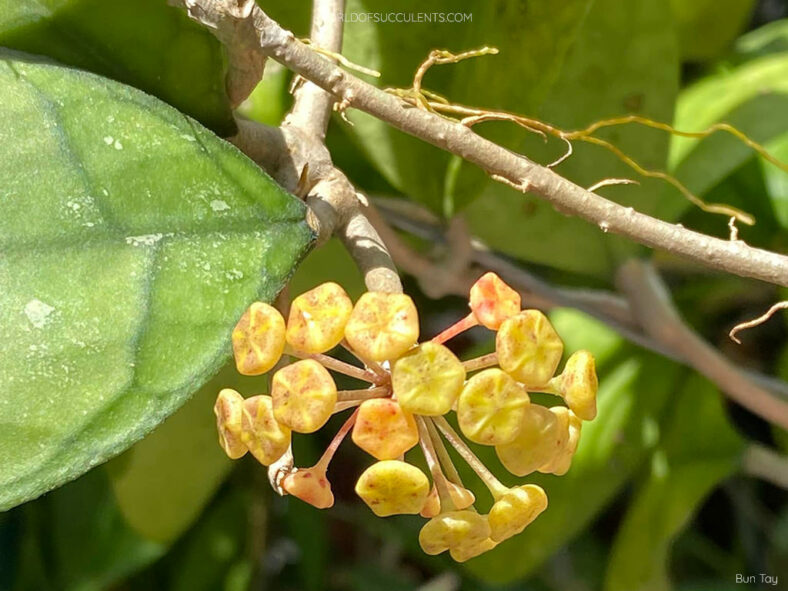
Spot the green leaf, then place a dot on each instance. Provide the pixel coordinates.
(132, 239)
(143, 43)
(604, 75)
(777, 180)
(270, 99)
(532, 37)
(76, 540)
(181, 460)
(699, 449)
(707, 28)
(770, 38)
(632, 397)
(752, 97)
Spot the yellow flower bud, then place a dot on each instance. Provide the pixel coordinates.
(562, 462)
(383, 326)
(318, 317)
(578, 385)
(453, 529)
(392, 487)
(311, 486)
(304, 395)
(428, 380)
(383, 429)
(529, 348)
(266, 438)
(493, 301)
(559, 438)
(467, 551)
(491, 407)
(258, 339)
(514, 510)
(534, 446)
(229, 410)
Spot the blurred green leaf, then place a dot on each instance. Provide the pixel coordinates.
(329, 262)
(143, 43)
(581, 331)
(605, 74)
(75, 539)
(270, 99)
(120, 293)
(777, 180)
(707, 28)
(214, 555)
(770, 38)
(164, 481)
(699, 449)
(532, 36)
(753, 97)
(632, 397)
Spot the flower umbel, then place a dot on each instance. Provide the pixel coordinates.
(412, 387)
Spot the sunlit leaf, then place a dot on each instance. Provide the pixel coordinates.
(143, 43)
(605, 74)
(720, 21)
(132, 239)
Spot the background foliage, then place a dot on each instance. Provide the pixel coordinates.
(656, 498)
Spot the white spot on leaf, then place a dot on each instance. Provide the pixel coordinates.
(38, 312)
(219, 205)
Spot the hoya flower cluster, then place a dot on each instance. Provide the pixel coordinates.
(412, 387)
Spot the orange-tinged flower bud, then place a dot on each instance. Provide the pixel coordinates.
(529, 348)
(384, 430)
(318, 317)
(258, 339)
(428, 380)
(229, 410)
(311, 486)
(304, 395)
(383, 326)
(579, 383)
(265, 437)
(393, 487)
(453, 529)
(460, 496)
(467, 551)
(514, 510)
(493, 301)
(534, 446)
(563, 461)
(491, 407)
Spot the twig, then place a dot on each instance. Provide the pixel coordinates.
(312, 105)
(652, 307)
(605, 306)
(764, 463)
(756, 321)
(732, 257)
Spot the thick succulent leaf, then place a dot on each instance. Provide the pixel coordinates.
(145, 43)
(131, 240)
(625, 60)
(698, 450)
(753, 97)
(707, 28)
(181, 460)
